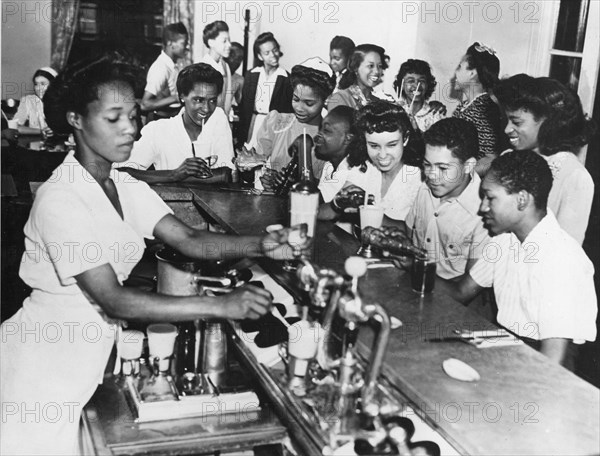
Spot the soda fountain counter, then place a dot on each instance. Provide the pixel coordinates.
(516, 401)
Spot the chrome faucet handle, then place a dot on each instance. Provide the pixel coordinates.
(351, 305)
(307, 274)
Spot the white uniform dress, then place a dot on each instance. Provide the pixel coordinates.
(54, 350)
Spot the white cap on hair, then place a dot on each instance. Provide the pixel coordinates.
(49, 70)
(317, 63)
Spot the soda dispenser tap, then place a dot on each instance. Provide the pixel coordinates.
(353, 309)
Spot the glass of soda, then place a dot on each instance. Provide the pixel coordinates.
(422, 274)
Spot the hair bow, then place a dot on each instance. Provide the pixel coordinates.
(484, 48)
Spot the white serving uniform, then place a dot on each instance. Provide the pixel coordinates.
(54, 350)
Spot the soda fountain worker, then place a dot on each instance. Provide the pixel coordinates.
(542, 279)
(266, 88)
(546, 117)
(415, 85)
(84, 235)
(444, 218)
(160, 92)
(30, 114)
(379, 159)
(474, 79)
(216, 38)
(365, 71)
(174, 146)
(340, 50)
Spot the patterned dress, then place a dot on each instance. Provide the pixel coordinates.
(485, 115)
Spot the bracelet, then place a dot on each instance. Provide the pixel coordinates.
(335, 207)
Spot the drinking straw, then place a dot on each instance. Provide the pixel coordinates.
(304, 144)
(400, 89)
(366, 198)
(193, 150)
(413, 98)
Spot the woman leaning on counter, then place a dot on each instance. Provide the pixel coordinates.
(84, 235)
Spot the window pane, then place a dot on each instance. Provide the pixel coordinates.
(570, 30)
(566, 70)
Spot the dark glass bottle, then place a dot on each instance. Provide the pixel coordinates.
(288, 177)
(397, 245)
(186, 346)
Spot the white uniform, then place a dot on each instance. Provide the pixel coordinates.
(544, 286)
(54, 350)
(166, 144)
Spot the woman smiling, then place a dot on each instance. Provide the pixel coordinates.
(379, 158)
(365, 71)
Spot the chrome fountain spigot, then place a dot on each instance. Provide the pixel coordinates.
(354, 311)
(324, 288)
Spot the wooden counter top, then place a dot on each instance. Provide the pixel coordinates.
(523, 404)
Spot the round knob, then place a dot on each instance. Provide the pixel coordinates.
(355, 266)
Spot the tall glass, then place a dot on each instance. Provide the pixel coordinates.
(369, 216)
(422, 274)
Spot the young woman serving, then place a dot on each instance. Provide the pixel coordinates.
(84, 235)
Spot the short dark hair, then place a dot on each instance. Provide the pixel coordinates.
(523, 170)
(236, 56)
(485, 62)
(79, 85)
(172, 32)
(212, 30)
(377, 117)
(317, 80)
(344, 44)
(565, 127)
(357, 57)
(458, 135)
(347, 115)
(260, 40)
(197, 73)
(418, 67)
(521, 91)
